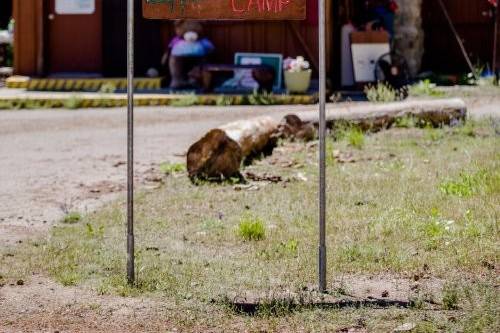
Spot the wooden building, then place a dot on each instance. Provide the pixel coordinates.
(47, 43)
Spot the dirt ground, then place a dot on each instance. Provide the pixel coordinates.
(52, 162)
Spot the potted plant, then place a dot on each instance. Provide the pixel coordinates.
(297, 74)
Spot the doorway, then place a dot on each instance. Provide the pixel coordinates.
(148, 43)
(74, 40)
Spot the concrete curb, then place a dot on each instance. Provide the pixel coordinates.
(95, 100)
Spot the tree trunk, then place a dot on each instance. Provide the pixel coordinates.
(219, 154)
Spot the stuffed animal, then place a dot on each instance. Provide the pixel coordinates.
(186, 51)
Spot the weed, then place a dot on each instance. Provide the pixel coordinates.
(108, 88)
(433, 134)
(73, 102)
(188, 100)
(251, 228)
(466, 129)
(383, 93)
(288, 249)
(72, 217)
(170, 168)
(425, 88)
(425, 327)
(450, 297)
(68, 278)
(405, 122)
(356, 138)
(264, 98)
(469, 184)
(224, 100)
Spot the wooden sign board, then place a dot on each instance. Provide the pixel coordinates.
(225, 9)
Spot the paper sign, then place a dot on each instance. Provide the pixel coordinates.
(75, 7)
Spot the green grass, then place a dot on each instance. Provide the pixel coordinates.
(408, 206)
(383, 93)
(251, 229)
(356, 138)
(169, 168)
(426, 88)
(72, 217)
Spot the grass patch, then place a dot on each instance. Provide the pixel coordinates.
(72, 217)
(425, 88)
(356, 138)
(466, 184)
(170, 168)
(383, 93)
(251, 229)
(74, 102)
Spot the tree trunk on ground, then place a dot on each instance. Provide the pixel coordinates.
(218, 155)
(374, 117)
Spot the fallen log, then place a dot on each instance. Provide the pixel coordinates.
(372, 117)
(219, 154)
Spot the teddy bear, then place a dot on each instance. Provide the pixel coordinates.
(186, 51)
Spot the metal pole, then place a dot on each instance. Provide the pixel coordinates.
(322, 149)
(130, 142)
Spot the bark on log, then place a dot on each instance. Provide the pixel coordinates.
(219, 154)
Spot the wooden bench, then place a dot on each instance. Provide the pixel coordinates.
(263, 74)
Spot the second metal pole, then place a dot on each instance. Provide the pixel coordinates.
(322, 150)
(130, 142)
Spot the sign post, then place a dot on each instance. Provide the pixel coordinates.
(130, 142)
(322, 149)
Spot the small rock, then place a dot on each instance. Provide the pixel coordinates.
(385, 293)
(20, 282)
(406, 327)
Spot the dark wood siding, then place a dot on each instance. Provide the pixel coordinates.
(28, 48)
(474, 25)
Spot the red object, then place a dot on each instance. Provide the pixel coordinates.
(494, 3)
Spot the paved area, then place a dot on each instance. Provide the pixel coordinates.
(55, 161)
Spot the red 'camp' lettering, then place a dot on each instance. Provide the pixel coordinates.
(271, 5)
(236, 10)
(253, 3)
(277, 6)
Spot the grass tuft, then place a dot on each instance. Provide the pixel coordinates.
(170, 168)
(356, 138)
(72, 217)
(251, 229)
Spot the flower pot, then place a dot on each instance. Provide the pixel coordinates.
(297, 82)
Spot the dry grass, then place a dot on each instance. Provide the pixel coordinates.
(391, 213)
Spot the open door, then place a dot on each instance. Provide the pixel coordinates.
(74, 37)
